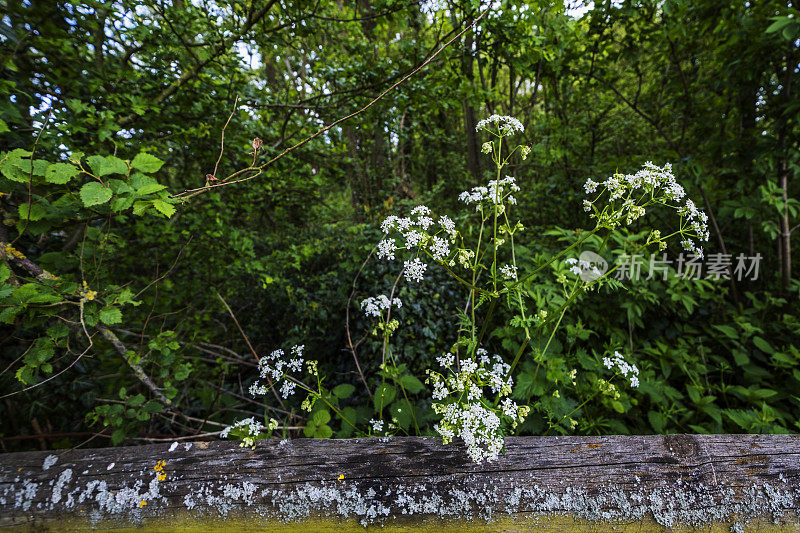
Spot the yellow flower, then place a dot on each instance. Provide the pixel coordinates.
(341, 477)
(142, 504)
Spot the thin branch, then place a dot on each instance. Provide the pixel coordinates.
(193, 192)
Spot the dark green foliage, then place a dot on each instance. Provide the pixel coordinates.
(107, 111)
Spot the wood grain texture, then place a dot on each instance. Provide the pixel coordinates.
(666, 481)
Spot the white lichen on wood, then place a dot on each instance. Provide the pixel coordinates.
(611, 479)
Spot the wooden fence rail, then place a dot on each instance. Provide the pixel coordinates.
(620, 483)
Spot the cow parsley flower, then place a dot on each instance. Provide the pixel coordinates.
(447, 225)
(509, 271)
(414, 269)
(467, 412)
(386, 249)
(275, 366)
(649, 185)
(628, 370)
(440, 248)
(374, 305)
(505, 125)
(253, 427)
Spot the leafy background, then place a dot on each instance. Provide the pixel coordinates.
(114, 320)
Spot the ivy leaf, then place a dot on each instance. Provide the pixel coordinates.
(94, 193)
(104, 165)
(164, 208)
(146, 163)
(110, 315)
(60, 173)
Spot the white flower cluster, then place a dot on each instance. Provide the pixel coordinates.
(659, 184)
(274, 366)
(626, 369)
(414, 230)
(377, 425)
(509, 271)
(497, 192)
(578, 267)
(374, 305)
(252, 427)
(468, 414)
(414, 269)
(505, 125)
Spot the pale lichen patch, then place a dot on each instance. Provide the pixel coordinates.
(49, 461)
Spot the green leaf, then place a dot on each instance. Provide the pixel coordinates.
(763, 345)
(343, 391)
(657, 421)
(7, 315)
(110, 315)
(411, 384)
(60, 173)
(136, 401)
(5, 272)
(37, 211)
(139, 207)
(117, 436)
(728, 330)
(323, 432)
(321, 417)
(3, 126)
(105, 165)
(146, 163)
(94, 193)
(152, 407)
(164, 208)
(384, 395)
(150, 188)
(778, 25)
(401, 412)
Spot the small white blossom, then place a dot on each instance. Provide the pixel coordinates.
(627, 370)
(374, 305)
(386, 249)
(509, 271)
(506, 125)
(447, 225)
(414, 269)
(440, 248)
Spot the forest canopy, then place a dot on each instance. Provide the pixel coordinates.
(192, 190)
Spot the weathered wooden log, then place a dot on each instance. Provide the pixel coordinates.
(731, 482)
